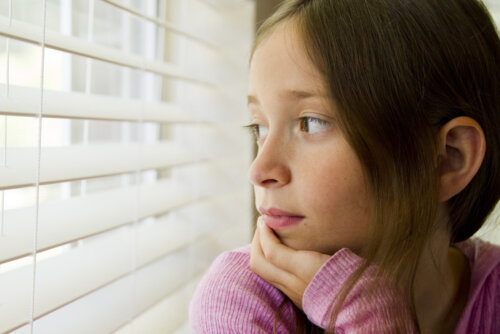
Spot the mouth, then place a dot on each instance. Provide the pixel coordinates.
(279, 219)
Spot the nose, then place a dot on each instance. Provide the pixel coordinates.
(270, 169)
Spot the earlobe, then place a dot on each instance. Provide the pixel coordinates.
(461, 148)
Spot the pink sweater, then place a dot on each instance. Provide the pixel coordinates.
(232, 299)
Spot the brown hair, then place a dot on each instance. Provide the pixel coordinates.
(398, 70)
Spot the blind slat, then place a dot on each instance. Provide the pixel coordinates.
(33, 34)
(184, 329)
(60, 164)
(165, 317)
(24, 101)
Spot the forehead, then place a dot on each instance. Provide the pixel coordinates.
(280, 64)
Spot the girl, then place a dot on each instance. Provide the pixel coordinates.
(378, 132)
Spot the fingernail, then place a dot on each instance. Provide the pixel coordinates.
(260, 222)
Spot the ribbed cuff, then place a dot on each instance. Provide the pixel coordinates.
(321, 292)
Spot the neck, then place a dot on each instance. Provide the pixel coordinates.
(442, 275)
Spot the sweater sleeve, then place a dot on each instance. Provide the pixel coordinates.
(230, 298)
(361, 312)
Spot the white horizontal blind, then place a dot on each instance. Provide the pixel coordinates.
(122, 159)
(494, 8)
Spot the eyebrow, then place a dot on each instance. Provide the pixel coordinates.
(290, 93)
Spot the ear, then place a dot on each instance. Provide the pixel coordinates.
(461, 147)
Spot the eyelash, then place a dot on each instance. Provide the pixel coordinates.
(304, 125)
(254, 130)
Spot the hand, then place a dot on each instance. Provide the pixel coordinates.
(287, 269)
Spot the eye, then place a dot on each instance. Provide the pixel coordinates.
(313, 125)
(257, 130)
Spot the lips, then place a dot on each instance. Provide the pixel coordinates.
(279, 219)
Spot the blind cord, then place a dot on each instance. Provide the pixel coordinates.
(39, 153)
(138, 172)
(2, 231)
(88, 82)
(7, 94)
(7, 70)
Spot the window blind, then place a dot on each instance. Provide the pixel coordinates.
(122, 159)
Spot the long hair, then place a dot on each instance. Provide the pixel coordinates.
(398, 70)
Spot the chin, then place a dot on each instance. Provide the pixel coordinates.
(298, 244)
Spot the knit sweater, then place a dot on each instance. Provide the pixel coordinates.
(232, 299)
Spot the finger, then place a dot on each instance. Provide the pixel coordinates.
(265, 269)
(275, 252)
(287, 258)
(255, 247)
(286, 283)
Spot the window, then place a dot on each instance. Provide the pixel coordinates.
(122, 159)
(494, 7)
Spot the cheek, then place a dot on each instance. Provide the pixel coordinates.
(335, 182)
(337, 194)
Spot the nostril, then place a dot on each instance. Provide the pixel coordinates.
(269, 182)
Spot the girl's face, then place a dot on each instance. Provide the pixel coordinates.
(308, 181)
